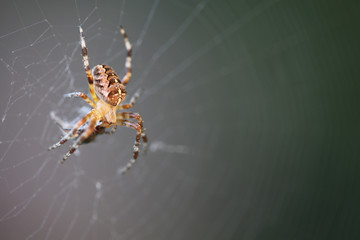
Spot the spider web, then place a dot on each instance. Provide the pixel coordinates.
(216, 122)
(86, 198)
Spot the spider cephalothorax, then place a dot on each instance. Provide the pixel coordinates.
(108, 94)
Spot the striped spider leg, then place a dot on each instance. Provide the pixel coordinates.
(65, 127)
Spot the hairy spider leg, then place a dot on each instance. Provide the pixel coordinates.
(86, 65)
(72, 131)
(86, 134)
(133, 100)
(137, 127)
(130, 115)
(83, 96)
(128, 47)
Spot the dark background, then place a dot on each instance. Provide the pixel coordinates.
(251, 108)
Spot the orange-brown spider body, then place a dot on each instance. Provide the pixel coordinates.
(108, 92)
(108, 86)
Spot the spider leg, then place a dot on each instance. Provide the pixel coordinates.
(145, 140)
(82, 95)
(86, 65)
(86, 134)
(137, 127)
(63, 125)
(128, 47)
(132, 100)
(129, 115)
(72, 131)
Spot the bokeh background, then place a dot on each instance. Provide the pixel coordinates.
(251, 108)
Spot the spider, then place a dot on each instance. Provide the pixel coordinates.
(108, 94)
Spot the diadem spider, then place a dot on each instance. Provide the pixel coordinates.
(108, 94)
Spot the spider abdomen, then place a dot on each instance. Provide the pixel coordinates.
(108, 86)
